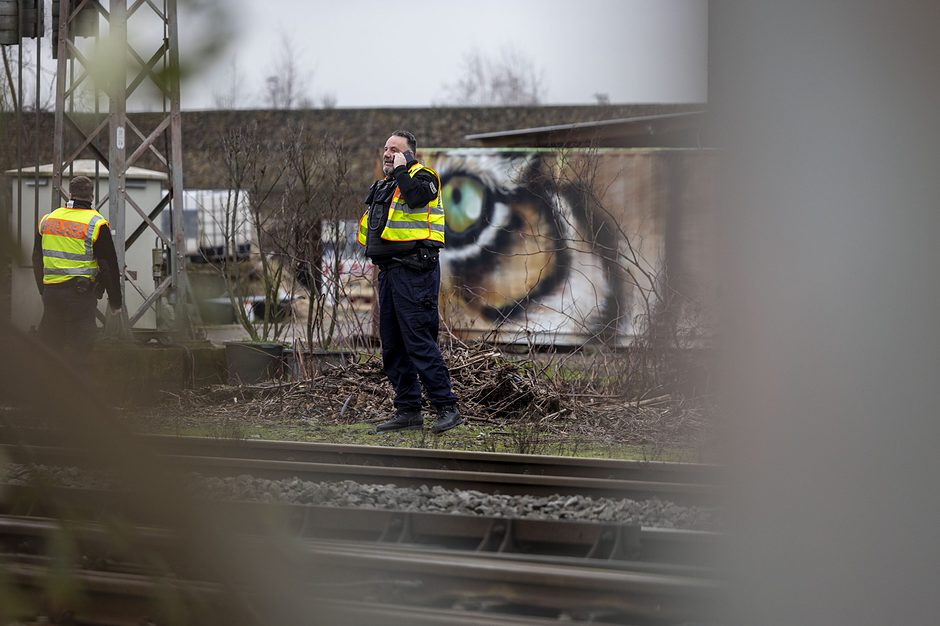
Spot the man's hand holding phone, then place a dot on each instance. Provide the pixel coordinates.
(403, 158)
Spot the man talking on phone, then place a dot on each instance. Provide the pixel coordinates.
(403, 232)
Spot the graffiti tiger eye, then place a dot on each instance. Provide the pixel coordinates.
(464, 199)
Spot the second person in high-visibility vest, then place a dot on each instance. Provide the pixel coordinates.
(403, 231)
(72, 253)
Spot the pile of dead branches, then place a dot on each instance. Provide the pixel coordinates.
(493, 387)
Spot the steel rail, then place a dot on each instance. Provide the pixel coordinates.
(113, 599)
(621, 545)
(371, 613)
(106, 599)
(513, 483)
(19, 532)
(488, 482)
(416, 458)
(447, 577)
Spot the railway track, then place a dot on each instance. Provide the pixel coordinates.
(512, 474)
(367, 566)
(643, 548)
(406, 580)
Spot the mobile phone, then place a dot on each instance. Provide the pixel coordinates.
(409, 156)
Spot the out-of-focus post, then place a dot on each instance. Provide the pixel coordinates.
(826, 117)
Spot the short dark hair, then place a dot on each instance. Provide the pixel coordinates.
(410, 137)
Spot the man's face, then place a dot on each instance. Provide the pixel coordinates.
(393, 145)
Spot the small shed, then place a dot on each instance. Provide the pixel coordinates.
(32, 198)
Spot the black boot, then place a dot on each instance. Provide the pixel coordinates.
(402, 420)
(447, 418)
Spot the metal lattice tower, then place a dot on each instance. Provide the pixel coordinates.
(115, 82)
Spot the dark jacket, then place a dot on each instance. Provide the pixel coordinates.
(417, 192)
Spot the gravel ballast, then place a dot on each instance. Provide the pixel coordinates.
(651, 513)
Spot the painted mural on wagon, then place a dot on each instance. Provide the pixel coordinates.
(571, 247)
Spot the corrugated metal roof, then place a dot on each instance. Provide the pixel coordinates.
(628, 131)
(86, 167)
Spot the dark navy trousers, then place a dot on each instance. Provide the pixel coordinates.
(408, 323)
(68, 320)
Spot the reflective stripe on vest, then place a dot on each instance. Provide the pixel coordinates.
(68, 239)
(405, 224)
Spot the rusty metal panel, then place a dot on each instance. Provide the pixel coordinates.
(83, 24)
(20, 19)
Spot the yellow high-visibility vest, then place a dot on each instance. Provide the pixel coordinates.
(68, 238)
(405, 224)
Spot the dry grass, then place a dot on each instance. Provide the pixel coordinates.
(506, 391)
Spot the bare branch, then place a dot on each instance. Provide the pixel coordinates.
(287, 87)
(509, 79)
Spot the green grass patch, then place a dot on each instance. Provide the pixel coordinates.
(515, 439)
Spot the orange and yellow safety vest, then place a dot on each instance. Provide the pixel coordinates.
(405, 224)
(68, 238)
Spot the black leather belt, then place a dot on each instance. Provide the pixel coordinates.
(399, 259)
(79, 284)
(388, 265)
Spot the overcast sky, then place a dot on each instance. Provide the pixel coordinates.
(367, 53)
